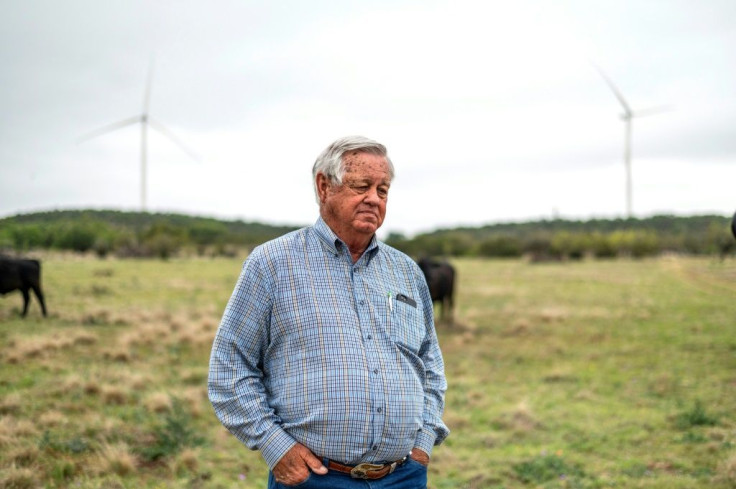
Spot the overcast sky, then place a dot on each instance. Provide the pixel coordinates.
(491, 111)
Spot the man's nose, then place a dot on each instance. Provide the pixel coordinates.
(372, 197)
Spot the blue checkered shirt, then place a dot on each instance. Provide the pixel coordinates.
(317, 350)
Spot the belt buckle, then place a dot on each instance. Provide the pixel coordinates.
(361, 471)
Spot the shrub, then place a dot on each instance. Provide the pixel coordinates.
(77, 236)
(545, 468)
(646, 243)
(425, 245)
(50, 442)
(29, 236)
(162, 246)
(502, 246)
(602, 246)
(569, 245)
(163, 240)
(104, 244)
(172, 435)
(696, 416)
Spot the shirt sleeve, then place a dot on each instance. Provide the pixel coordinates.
(235, 384)
(434, 430)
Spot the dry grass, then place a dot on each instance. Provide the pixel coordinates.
(114, 459)
(52, 419)
(84, 338)
(185, 462)
(727, 470)
(21, 348)
(13, 429)
(553, 314)
(521, 419)
(114, 395)
(119, 355)
(11, 403)
(23, 456)
(158, 402)
(593, 361)
(13, 477)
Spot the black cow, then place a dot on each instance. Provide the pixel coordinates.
(733, 225)
(23, 275)
(440, 277)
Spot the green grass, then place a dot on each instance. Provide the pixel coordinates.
(594, 374)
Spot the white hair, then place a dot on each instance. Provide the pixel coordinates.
(330, 162)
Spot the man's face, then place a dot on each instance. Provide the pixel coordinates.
(358, 206)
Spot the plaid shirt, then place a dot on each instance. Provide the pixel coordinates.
(317, 350)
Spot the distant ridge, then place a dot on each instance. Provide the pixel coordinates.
(136, 220)
(658, 223)
(133, 233)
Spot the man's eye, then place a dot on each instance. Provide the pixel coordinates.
(382, 192)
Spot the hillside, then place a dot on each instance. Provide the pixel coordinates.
(155, 234)
(129, 233)
(556, 239)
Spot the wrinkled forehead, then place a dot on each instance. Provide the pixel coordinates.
(359, 164)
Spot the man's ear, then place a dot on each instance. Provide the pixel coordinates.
(323, 185)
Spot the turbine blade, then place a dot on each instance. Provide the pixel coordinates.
(109, 128)
(652, 111)
(166, 132)
(149, 83)
(615, 90)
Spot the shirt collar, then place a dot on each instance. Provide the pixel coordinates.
(334, 245)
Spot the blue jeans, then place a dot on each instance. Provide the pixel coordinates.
(410, 475)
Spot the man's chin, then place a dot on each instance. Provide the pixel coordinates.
(366, 227)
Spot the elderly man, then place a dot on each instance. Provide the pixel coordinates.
(326, 359)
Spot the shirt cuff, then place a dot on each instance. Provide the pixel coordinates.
(425, 440)
(276, 446)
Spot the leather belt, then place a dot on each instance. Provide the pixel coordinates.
(366, 471)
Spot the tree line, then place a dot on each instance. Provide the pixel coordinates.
(132, 234)
(561, 239)
(140, 234)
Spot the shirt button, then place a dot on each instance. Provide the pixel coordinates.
(375, 371)
(370, 337)
(380, 410)
(375, 447)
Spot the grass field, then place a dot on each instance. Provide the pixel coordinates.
(592, 374)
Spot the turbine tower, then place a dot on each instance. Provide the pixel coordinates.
(145, 120)
(627, 117)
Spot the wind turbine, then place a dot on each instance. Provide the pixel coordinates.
(145, 120)
(627, 116)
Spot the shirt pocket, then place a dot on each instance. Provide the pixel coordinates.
(406, 324)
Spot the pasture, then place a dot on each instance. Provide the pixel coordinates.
(591, 374)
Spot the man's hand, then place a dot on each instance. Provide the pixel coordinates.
(419, 455)
(295, 465)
